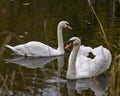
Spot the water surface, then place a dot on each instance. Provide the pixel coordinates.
(26, 20)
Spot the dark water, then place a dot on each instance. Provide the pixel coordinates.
(27, 20)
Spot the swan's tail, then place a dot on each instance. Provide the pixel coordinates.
(10, 47)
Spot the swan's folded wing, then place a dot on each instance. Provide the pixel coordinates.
(108, 56)
(34, 49)
(83, 66)
(102, 59)
(84, 50)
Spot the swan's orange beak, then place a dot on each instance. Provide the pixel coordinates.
(68, 45)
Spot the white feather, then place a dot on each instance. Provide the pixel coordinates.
(81, 66)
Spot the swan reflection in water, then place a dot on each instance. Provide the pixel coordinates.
(97, 84)
(37, 84)
(32, 62)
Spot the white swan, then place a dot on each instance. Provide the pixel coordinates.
(35, 48)
(81, 66)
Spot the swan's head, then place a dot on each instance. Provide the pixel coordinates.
(74, 41)
(64, 24)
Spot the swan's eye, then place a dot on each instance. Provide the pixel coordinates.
(70, 41)
(67, 24)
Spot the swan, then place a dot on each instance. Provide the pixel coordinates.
(38, 49)
(81, 66)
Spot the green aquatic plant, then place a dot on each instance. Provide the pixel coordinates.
(115, 73)
(102, 32)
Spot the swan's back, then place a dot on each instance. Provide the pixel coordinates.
(34, 48)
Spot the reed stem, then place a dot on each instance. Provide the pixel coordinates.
(100, 24)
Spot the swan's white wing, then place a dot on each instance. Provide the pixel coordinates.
(83, 62)
(34, 48)
(108, 57)
(98, 50)
(102, 55)
(83, 66)
(102, 59)
(84, 50)
(87, 67)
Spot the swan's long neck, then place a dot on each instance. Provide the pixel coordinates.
(60, 39)
(71, 72)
